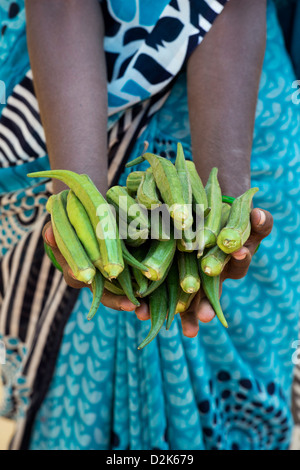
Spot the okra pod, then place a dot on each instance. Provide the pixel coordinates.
(153, 285)
(183, 174)
(141, 280)
(184, 301)
(237, 230)
(67, 240)
(188, 272)
(198, 190)
(211, 287)
(158, 304)
(173, 292)
(124, 279)
(169, 186)
(133, 181)
(159, 258)
(113, 287)
(100, 214)
(226, 208)
(97, 288)
(83, 228)
(130, 259)
(147, 192)
(52, 258)
(214, 261)
(212, 222)
(127, 207)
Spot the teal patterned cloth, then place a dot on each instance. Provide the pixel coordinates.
(223, 389)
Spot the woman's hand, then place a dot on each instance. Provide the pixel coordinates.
(116, 302)
(236, 268)
(200, 309)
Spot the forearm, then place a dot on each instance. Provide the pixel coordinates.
(223, 81)
(68, 64)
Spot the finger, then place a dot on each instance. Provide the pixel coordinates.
(48, 235)
(205, 312)
(189, 320)
(202, 308)
(117, 302)
(261, 227)
(189, 323)
(70, 279)
(238, 264)
(142, 312)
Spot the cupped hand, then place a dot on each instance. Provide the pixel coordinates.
(116, 302)
(200, 309)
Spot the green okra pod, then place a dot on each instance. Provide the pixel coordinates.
(127, 207)
(153, 285)
(158, 304)
(183, 174)
(113, 287)
(83, 228)
(184, 301)
(52, 258)
(100, 214)
(214, 261)
(97, 288)
(133, 181)
(130, 259)
(198, 191)
(188, 272)
(238, 228)
(159, 258)
(212, 222)
(226, 208)
(141, 280)
(169, 186)
(172, 281)
(67, 240)
(147, 192)
(211, 287)
(124, 279)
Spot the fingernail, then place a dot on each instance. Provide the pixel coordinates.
(262, 218)
(240, 255)
(49, 240)
(46, 238)
(127, 306)
(71, 274)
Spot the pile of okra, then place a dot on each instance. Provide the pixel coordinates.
(161, 238)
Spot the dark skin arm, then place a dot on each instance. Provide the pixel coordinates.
(223, 81)
(68, 64)
(223, 76)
